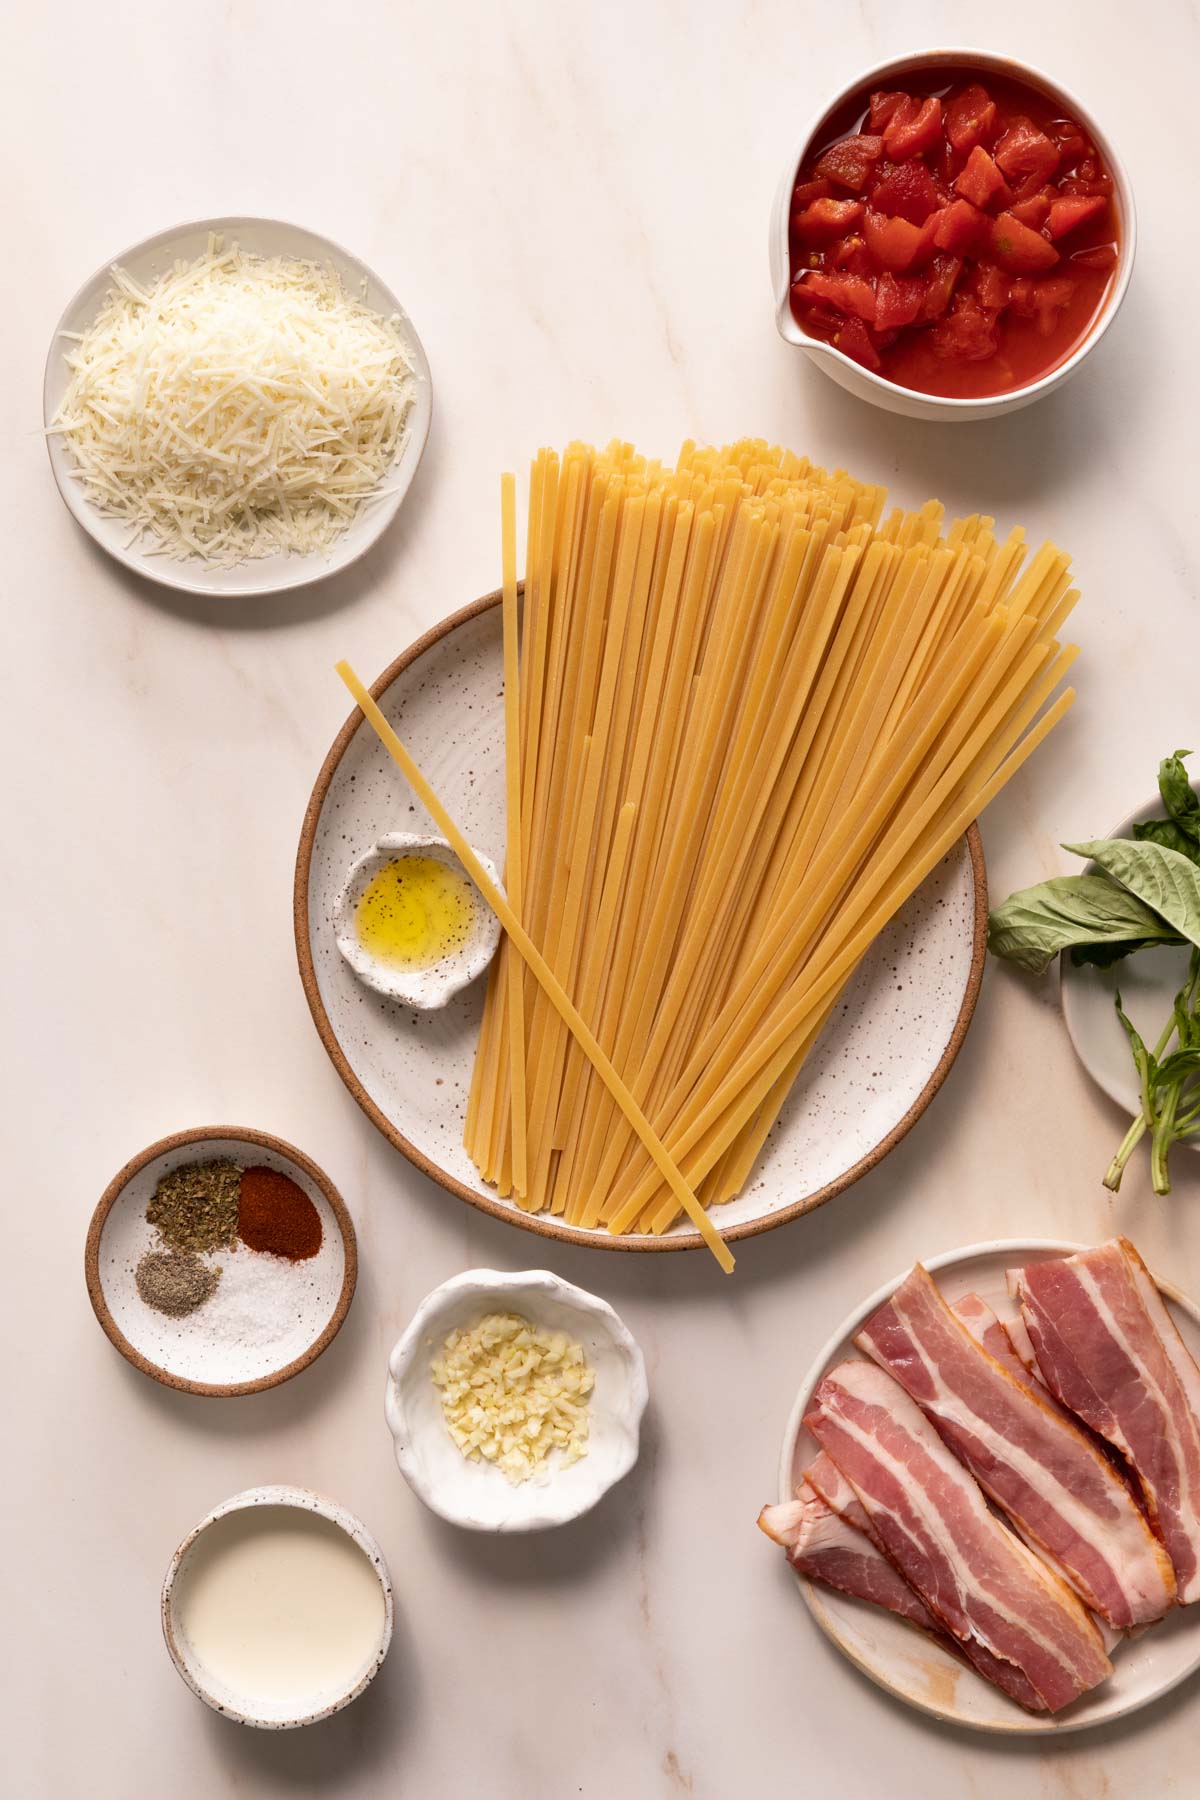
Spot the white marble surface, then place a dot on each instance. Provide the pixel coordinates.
(572, 202)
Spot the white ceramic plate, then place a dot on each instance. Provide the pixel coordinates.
(477, 1495)
(1148, 982)
(912, 1666)
(270, 574)
(268, 1318)
(884, 1054)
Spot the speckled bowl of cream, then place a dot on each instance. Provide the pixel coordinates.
(278, 1710)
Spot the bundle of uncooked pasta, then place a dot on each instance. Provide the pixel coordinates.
(752, 716)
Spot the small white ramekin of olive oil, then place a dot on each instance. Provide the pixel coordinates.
(412, 924)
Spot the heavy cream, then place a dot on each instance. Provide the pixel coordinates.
(280, 1607)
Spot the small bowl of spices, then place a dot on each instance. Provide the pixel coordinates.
(221, 1261)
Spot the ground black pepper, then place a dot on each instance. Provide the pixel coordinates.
(175, 1282)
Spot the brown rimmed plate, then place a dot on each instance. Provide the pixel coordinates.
(267, 1319)
(897, 1029)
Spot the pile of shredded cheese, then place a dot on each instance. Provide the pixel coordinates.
(512, 1393)
(240, 407)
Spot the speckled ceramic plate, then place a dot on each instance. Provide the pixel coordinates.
(883, 1056)
(903, 1660)
(267, 1319)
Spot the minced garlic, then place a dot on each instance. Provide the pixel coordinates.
(512, 1393)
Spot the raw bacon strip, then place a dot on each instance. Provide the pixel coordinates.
(1060, 1491)
(827, 1480)
(1180, 1356)
(824, 1547)
(975, 1577)
(1009, 1342)
(1100, 1349)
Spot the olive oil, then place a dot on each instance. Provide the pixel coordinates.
(414, 912)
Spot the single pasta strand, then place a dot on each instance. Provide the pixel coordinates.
(513, 862)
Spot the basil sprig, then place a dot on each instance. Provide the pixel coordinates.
(1146, 894)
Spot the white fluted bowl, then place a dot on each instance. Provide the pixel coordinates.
(476, 1495)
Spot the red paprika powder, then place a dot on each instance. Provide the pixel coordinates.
(277, 1216)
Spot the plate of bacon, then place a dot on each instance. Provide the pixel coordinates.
(990, 1486)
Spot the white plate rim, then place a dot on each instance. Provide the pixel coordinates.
(1010, 1250)
(308, 569)
(547, 1225)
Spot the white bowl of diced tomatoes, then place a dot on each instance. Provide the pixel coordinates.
(953, 237)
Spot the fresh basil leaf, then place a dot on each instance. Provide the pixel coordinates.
(1162, 878)
(1170, 835)
(1032, 926)
(1181, 802)
(1179, 1063)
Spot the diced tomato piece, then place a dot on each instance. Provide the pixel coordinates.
(805, 192)
(851, 257)
(961, 228)
(1098, 184)
(1024, 151)
(944, 272)
(1067, 215)
(1035, 211)
(971, 117)
(980, 180)
(905, 191)
(826, 220)
(853, 337)
(912, 134)
(850, 294)
(926, 246)
(820, 321)
(897, 301)
(850, 163)
(945, 165)
(892, 242)
(1102, 256)
(1050, 296)
(991, 286)
(1018, 249)
(966, 334)
(1072, 141)
(883, 105)
(1020, 297)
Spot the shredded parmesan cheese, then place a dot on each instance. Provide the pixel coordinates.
(512, 1394)
(239, 407)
